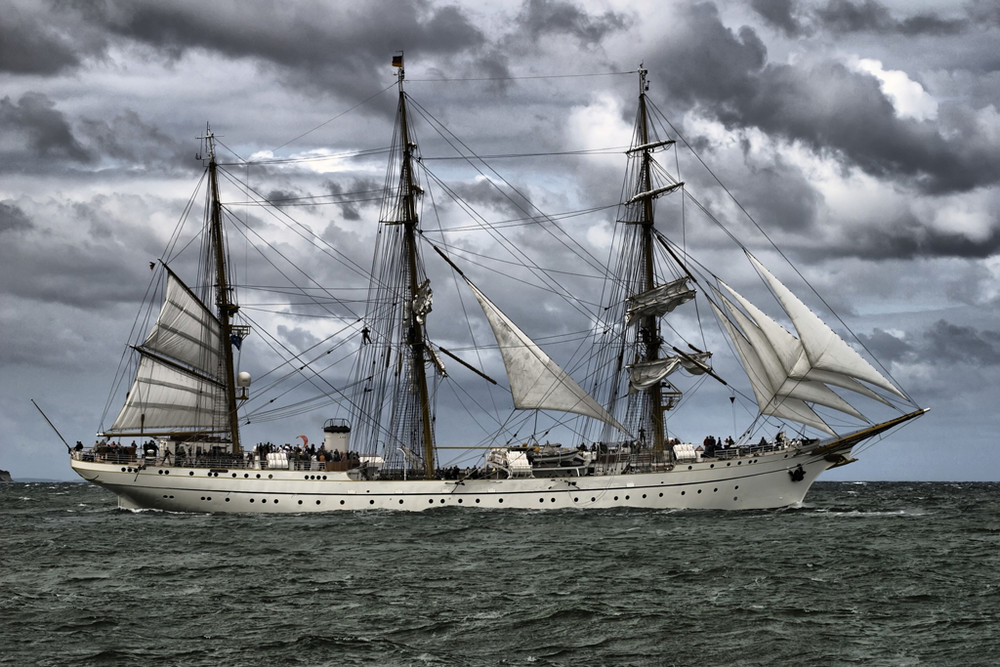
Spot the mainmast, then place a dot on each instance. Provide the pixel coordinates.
(413, 317)
(223, 301)
(649, 326)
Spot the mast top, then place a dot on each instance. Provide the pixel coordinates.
(397, 61)
(643, 83)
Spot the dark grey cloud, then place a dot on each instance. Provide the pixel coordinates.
(845, 16)
(540, 18)
(780, 14)
(34, 120)
(944, 341)
(31, 42)
(13, 219)
(129, 139)
(833, 110)
(963, 344)
(315, 44)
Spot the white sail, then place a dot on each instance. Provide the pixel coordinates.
(645, 374)
(537, 382)
(784, 351)
(185, 330)
(659, 300)
(768, 402)
(825, 350)
(165, 396)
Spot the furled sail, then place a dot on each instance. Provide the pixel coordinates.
(659, 300)
(645, 374)
(537, 382)
(179, 383)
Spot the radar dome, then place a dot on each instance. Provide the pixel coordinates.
(243, 379)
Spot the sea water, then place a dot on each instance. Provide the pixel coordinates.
(862, 574)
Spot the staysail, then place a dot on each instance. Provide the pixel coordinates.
(825, 350)
(536, 381)
(790, 374)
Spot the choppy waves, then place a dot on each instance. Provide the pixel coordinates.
(873, 574)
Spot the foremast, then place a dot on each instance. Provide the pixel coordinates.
(226, 308)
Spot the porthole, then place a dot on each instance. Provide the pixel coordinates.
(270, 476)
(734, 498)
(593, 499)
(541, 500)
(247, 475)
(234, 474)
(317, 502)
(683, 492)
(371, 502)
(575, 500)
(626, 497)
(123, 470)
(736, 487)
(690, 467)
(729, 464)
(258, 475)
(616, 497)
(661, 494)
(300, 502)
(699, 490)
(644, 496)
(442, 501)
(715, 490)
(401, 501)
(459, 501)
(500, 500)
(191, 473)
(712, 466)
(263, 500)
(227, 500)
(553, 500)
(477, 500)
(251, 500)
(430, 500)
(159, 472)
(341, 502)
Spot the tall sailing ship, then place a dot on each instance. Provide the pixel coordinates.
(187, 402)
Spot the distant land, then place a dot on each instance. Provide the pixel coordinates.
(5, 476)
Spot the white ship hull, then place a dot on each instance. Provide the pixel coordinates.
(764, 481)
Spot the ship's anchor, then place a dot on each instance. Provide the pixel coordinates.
(798, 474)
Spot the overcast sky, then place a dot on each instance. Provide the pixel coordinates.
(864, 135)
